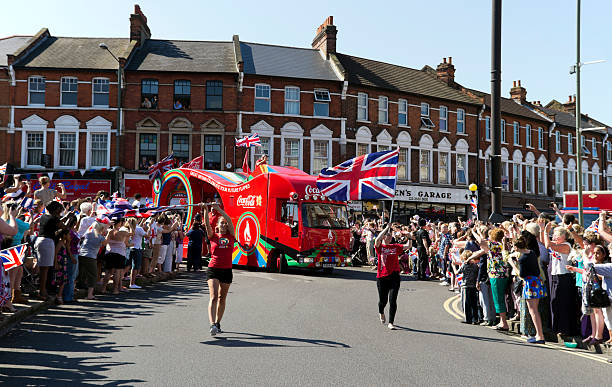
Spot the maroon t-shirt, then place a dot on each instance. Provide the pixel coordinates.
(388, 259)
(221, 248)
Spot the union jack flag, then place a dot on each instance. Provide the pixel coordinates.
(15, 195)
(474, 206)
(13, 257)
(594, 227)
(3, 169)
(249, 141)
(460, 279)
(161, 167)
(371, 176)
(27, 203)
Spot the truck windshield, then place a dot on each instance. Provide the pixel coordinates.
(322, 215)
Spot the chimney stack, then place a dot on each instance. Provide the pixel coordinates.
(325, 40)
(139, 30)
(446, 71)
(570, 105)
(518, 92)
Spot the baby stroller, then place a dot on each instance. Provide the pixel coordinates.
(29, 280)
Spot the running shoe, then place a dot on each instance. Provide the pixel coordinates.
(134, 286)
(213, 330)
(218, 325)
(382, 318)
(391, 326)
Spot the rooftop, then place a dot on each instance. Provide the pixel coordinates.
(9, 45)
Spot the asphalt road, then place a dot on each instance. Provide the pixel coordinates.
(298, 329)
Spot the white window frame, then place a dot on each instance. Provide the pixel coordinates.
(93, 92)
(609, 150)
(570, 144)
(268, 98)
(448, 169)
(465, 170)
(402, 108)
(368, 146)
(99, 125)
(487, 128)
(323, 134)
(425, 105)
(383, 109)
(559, 182)
(292, 101)
(56, 158)
(321, 99)
(443, 117)
(44, 82)
(558, 142)
(505, 187)
(406, 177)
(264, 130)
(426, 121)
(91, 150)
(540, 138)
(292, 131)
(62, 103)
(528, 136)
(541, 187)
(594, 148)
(517, 166)
(24, 142)
(361, 97)
(461, 120)
(503, 131)
(516, 133)
(595, 181)
(430, 165)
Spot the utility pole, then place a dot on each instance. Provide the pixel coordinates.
(496, 172)
(578, 118)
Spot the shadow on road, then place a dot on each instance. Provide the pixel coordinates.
(34, 353)
(246, 340)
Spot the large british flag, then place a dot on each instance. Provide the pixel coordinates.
(371, 176)
(161, 167)
(249, 141)
(13, 257)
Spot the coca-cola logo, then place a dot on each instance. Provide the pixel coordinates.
(312, 190)
(249, 201)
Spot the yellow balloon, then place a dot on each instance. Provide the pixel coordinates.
(473, 187)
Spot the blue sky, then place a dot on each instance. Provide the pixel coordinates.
(538, 36)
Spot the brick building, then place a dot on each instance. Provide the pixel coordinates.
(312, 107)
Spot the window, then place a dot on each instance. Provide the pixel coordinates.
(585, 150)
(585, 181)
(503, 131)
(528, 179)
(558, 182)
(100, 92)
(264, 149)
(541, 179)
(182, 95)
(460, 121)
(180, 147)
(570, 144)
(528, 141)
(291, 158)
(402, 112)
(571, 180)
(67, 149)
(425, 120)
(443, 119)
(516, 177)
(35, 143)
(504, 179)
(383, 110)
(321, 104)
(69, 91)
(487, 167)
(488, 128)
(362, 107)
(292, 100)
(262, 98)
(609, 150)
(425, 166)
(212, 151)
(517, 133)
(443, 175)
(594, 147)
(214, 95)
(149, 91)
(36, 91)
(595, 182)
(99, 149)
(540, 138)
(558, 141)
(320, 156)
(362, 149)
(461, 169)
(402, 165)
(382, 148)
(148, 150)
(609, 181)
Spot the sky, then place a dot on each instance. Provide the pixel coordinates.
(538, 36)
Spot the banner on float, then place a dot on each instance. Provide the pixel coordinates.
(77, 188)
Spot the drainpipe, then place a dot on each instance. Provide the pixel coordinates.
(604, 161)
(482, 109)
(549, 172)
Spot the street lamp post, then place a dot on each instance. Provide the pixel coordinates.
(118, 134)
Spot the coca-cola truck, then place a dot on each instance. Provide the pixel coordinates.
(280, 217)
(593, 202)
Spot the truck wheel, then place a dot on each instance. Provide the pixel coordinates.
(282, 264)
(328, 270)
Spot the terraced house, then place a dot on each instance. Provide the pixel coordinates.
(312, 107)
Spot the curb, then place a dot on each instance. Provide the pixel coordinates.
(26, 311)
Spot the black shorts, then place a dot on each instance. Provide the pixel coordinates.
(223, 275)
(114, 261)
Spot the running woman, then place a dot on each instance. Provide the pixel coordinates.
(219, 272)
(388, 273)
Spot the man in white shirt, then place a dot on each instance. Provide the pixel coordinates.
(136, 253)
(136, 203)
(86, 219)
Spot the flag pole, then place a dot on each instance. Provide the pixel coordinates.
(393, 200)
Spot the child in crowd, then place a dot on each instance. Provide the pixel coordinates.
(469, 269)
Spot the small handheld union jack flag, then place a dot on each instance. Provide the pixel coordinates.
(162, 167)
(3, 168)
(13, 257)
(474, 206)
(371, 176)
(249, 141)
(594, 227)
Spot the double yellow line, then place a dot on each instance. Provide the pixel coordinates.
(453, 307)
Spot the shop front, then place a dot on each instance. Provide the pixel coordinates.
(433, 203)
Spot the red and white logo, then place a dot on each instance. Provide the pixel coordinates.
(250, 201)
(312, 190)
(247, 232)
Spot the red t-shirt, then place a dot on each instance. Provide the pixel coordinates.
(221, 248)
(388, 259)
(213, 216)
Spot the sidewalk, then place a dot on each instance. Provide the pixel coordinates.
(35, 306)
